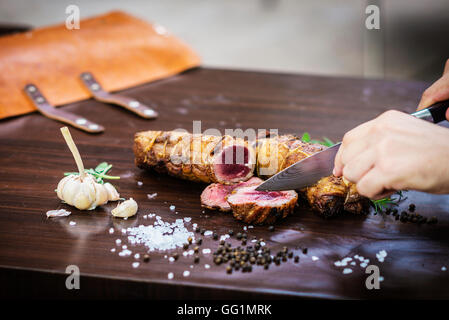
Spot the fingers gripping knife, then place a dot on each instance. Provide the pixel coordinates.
(308, 171)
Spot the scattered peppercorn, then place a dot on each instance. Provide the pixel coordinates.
(304, 250)
(239, 236)
(196, 259)
(271, 228)
(229, 269)
(296, 259)
(199, 241)
(185, 246)
(215, 236)
(411, 207)
(146, 258)
(231, 232)
(175, 256)
(189, 239)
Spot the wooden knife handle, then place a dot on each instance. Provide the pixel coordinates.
(435, 113)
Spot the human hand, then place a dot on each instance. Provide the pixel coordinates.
(438, 91)
(395, 151)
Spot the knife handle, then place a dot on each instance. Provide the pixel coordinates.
(435, 113)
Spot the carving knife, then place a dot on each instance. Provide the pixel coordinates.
(308, 171)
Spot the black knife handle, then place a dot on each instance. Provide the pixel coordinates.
(435, 113)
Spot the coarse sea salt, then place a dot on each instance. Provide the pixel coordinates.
(136, 264)
(136, 256)
(72, 223)
(161, 235)
(315, 258)
(208, 233)
(118, 241)
(186, 273)
(347, 271)
(111, 230)
(170, 275)
(172, 208)
(139, 183)
(125, 253)
(207, 266)
(443, 268)
(113, 250)
(206, 251)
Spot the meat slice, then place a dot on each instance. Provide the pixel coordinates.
(261, 207)
(214, 196)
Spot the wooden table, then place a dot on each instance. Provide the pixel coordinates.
(35, 251)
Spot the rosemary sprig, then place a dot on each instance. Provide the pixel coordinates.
(99, 172)
(388, 202)
(325, 142)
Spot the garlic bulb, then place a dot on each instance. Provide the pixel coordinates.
(86, 193)
(83, 191)
(125, 209)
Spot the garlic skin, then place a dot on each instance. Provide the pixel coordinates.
(125, 209)
(86, 193)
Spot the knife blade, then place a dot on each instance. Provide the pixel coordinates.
(308, 171)
(303, 173)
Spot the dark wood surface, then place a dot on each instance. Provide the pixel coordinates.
(35, 251)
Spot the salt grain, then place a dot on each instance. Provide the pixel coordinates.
(443, 268)
(170, 275)
(72, 223)
(315, 258)
(136, 264)
(118, 241)
(208, 233)
(136, 256)
(151, 196)
(206, 251)
(171, 259)
(139, 183)
(347, 271)
(172, 208)
(113, 250)
(186, 273)
(111, 230)
(124, 246)
(207, 266)
(125, 253)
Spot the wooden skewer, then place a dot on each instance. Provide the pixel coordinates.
(72, 146)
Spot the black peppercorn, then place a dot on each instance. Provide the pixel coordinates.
(196, 259)
(304, 250)
(146, 258)
(199, 241)
(411, 207)
(229, 269)
(296, 259)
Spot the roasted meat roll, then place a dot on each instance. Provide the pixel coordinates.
(329, 196)
(202, 158)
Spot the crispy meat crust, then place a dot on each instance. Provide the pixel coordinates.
(185, 155)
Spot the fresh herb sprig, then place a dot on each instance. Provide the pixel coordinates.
(392, 201)
(99, 172)
(325, 142)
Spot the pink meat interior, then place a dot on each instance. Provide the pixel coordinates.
(231, 163)
(250, 195)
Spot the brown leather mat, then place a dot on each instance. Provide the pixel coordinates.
(120, 50)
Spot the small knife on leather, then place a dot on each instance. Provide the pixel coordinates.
(308, 171)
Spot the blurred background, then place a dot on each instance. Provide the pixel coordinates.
(326, 37)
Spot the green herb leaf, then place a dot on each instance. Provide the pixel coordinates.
(305, 137)
(388, 202)
(326, 141)
(99, 172)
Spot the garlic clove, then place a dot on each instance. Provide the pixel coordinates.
(101, 195)
(70, 189)
(113, 195)
(61, 185)
(125, 209)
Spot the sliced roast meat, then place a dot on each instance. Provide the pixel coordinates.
(214, 196)
(261, 207)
